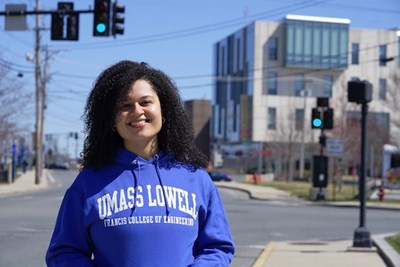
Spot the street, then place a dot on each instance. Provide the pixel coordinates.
(28, 220)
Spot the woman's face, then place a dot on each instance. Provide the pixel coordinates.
(140, 119)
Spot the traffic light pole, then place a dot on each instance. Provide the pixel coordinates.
(362, 237)
(320, 196)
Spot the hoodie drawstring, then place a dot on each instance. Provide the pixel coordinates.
(159, 181)
(162, 187)
(135, 185)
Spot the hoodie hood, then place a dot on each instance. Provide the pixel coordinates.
(136, 164)
(127, 158)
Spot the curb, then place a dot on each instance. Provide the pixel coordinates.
(262, 258)
(385, 250)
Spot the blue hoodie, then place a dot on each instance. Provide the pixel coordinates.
(141, 213)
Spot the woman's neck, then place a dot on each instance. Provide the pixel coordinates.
(145, 150)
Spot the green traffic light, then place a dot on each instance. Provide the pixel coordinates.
(317, 122)
(101, 28)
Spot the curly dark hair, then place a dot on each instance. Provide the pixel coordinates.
(110, 89)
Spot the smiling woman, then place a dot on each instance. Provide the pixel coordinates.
(143, 189)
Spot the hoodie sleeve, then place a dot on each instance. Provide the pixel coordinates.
(70, 243)
(214, 245)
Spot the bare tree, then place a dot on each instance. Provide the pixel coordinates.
(288, 147)
(14, 109)
(393, 101)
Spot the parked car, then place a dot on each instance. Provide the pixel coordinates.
(58, 166)
(219, 176)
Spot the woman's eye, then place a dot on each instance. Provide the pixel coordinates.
(126, 106)
(145, 102)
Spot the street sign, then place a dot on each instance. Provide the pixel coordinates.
(334, 147)
(16, 22)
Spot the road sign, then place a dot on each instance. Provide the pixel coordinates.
(334, 147)
(16, 22)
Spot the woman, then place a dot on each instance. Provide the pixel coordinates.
(143, 197)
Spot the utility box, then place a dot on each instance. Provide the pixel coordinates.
(320, 171)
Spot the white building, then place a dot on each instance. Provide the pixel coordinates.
(269, 75)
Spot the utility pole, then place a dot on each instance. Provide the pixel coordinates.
(38, 124)
(44, 80)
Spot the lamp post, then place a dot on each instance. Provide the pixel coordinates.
(361, 93)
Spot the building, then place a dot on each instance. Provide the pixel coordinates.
(200, 114)
(269, 76)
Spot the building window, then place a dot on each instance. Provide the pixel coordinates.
(355, 50)
(316, 44)
(271, 118)
(299, 123)
(382, 55)
(272, 83)
(273, 48)
(299, 83)
(328, 83)
(398, 52)
(382, 89)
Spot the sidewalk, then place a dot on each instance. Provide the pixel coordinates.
(310, 254)
(24, 182)
(318, 253)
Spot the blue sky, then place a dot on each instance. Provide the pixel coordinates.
(176, 36)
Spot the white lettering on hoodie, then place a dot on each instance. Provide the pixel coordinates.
(122, 199)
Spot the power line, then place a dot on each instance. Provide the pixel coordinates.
(197, 30)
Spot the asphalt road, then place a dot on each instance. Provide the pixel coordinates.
(27, 221)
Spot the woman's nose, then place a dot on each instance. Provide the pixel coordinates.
(138, 109)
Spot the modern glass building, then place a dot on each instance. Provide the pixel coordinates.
(268, 76)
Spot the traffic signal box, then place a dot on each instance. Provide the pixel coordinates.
(320, 171)
(63, 18)
(118, 19)
(101, 18)
(322, 115)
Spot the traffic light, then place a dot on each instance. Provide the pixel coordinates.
(62, 18)
(322, 118)
(316, 118)
(328, 119)
(359, 91)
(101, 18)
(57, 27)
(118, 19)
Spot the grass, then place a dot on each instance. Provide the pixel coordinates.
(394, 241)
(334, 193)
(302, 190)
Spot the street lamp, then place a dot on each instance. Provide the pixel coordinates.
(361, 93)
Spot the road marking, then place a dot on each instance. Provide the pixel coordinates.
(50, 177)
(260, 262)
